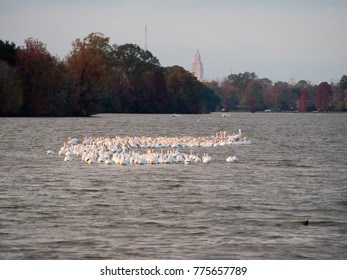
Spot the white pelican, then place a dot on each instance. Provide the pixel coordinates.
(108, 161)
(120, 149)
(62, 150)
(101, 158)
(72, 141)
(232, 159)
(206, 158)
(142, 160)
(238, 136)
(68, 157)
(50, 152)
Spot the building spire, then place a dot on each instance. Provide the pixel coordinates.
(197, 66)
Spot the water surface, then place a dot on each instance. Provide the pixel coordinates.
(254, 209)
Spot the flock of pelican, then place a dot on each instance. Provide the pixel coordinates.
(125, 151)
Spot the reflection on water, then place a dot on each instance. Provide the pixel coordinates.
(254, 209)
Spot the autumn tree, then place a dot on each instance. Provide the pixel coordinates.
(90, 65)
(97, 77)
(323, 96)
(38, 70)
(303, 101)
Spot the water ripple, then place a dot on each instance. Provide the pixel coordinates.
(255, 209)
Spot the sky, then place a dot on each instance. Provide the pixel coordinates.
(280, 40)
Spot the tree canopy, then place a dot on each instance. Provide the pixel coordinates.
(247, 92)
(96, 77)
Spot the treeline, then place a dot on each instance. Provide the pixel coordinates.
(245, 91)
(95, 77)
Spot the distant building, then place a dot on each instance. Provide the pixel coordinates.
(197, 67)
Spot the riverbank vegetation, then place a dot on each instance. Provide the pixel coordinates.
(96, 77)
(247, 92)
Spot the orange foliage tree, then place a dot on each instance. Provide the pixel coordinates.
(323, 97)
(38, 69)
(90, 66)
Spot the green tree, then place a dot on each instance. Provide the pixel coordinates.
(132, 61)
(217, 91)
(284, 101)
(343, 82)
(160, 96)
(183, 90)
(242, 80)
(340, 95)
(230, 95)
(8, 52)
(136, 68)
(63, 100)
(302, 84)
(252, 97)
(337, 103)
(295, 93)
(209, 100)
(11, 96)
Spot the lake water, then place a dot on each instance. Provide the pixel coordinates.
(295, 170)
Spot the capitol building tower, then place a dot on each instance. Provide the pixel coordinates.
(197, 68)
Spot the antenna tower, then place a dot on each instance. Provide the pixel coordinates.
(146, 42)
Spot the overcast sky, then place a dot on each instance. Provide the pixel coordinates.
(279, 40)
